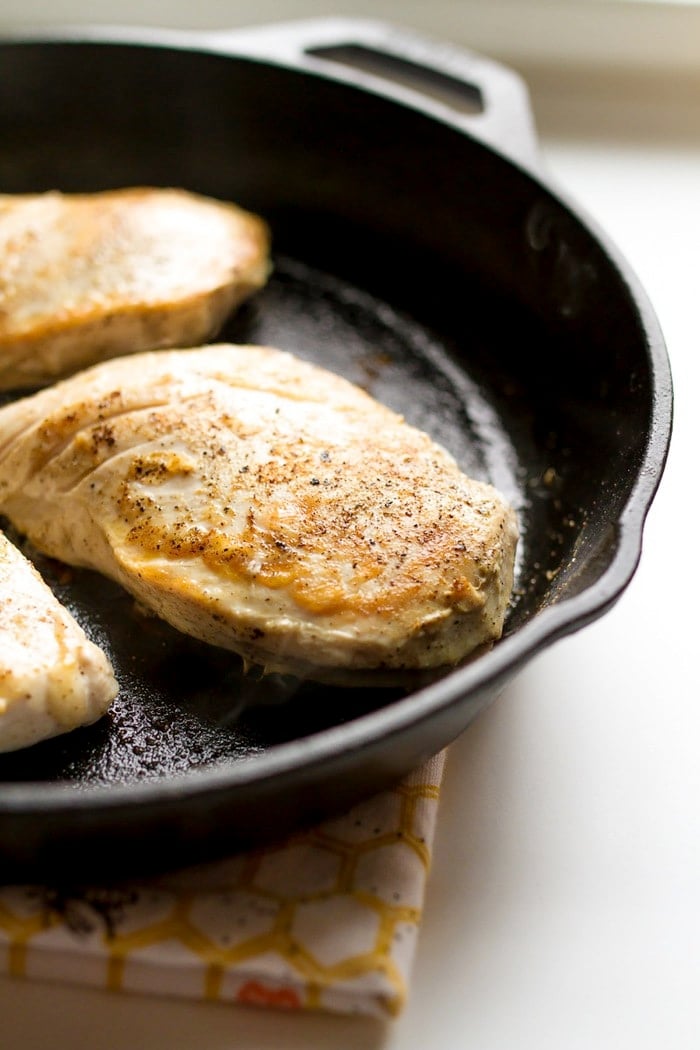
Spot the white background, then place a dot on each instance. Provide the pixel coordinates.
(563, 908)
(652, 33)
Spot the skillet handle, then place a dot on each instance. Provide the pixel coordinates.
(474, 93)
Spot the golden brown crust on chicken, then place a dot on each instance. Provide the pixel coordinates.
(86, 277)
(265, 505)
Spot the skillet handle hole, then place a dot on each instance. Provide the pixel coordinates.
(458, 94)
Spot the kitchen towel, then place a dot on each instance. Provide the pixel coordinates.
(326, 920)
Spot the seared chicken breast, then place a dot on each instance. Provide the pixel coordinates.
(265, 505)
(52, 679)
(85, 277)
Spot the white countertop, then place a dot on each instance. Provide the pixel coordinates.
(563, 907)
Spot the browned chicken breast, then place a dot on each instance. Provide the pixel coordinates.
(265, 505)
(85, 277)
(52, 679)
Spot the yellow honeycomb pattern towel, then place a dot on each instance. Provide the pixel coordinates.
(326, 920)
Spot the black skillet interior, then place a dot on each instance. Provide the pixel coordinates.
(452, 285)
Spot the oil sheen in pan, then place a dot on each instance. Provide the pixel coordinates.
(183, 704)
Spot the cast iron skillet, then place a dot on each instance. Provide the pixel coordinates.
(419, 251)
